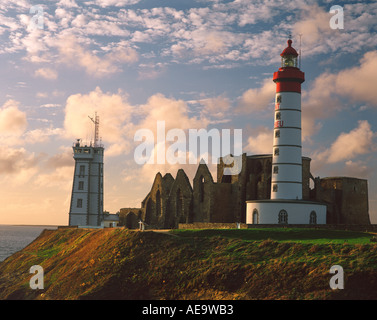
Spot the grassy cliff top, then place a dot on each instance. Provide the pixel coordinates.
(193, 264)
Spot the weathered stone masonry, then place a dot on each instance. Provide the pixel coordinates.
(172, 201)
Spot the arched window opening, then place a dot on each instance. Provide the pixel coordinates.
(131, 220)
(158, 203)
(283, 217)
(201, 188)
(313, 217)
(255, 216)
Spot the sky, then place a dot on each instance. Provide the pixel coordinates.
(193, 64)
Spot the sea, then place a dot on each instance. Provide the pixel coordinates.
(13, 238)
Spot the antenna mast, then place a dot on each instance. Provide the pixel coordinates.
(96, 129)
(299, 57)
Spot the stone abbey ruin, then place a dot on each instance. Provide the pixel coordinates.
(173, 201)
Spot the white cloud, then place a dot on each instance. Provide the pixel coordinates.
(17, 166)
(79, 21)
(116, 3)
(319, 38)
(41, 135)
(50, 105)
(192, 35)
(358, 169)
(253, 12)
(13, 121)
(12, 160)
(260, 141)
(63, 158)
(20, 5)
(257, 99)
(115, 119)
(349, 145)
(318, 102)
(67, 3)
(61, 177)
(207, 42)
(35, 46)
(46, 73)
(313, 24)
(358, 82)
(151, 70)
(102, 27)
(159, 107)
(216, 107)
(322, 100)
(72, 53)
(41, 95)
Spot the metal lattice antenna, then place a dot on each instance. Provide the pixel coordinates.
(96, 129)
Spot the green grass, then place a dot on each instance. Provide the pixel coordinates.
(274, 263)
(298, 235)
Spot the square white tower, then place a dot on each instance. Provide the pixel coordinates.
(86, 208)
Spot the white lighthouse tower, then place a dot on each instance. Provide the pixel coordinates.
(86, 208)
(286, 204)
(286, 180)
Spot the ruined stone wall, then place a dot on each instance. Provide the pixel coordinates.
(258, 171)
(224, 203)
(232, 206)
(155, 204)
(347, 200)
(203, 194)
(211, 225)
(179, 207)
(171, 202)
(253, 183)
(306, 178)
(129, 217)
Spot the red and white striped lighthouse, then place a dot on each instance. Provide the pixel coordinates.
(286, 205)
(286, 181)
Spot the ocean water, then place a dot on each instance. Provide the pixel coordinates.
(14, 238)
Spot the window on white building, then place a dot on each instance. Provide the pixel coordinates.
(283, 217)
(255, 216)
(313, 217)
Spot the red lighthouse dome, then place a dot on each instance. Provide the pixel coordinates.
(289, 51)
(289, 56)
(289, 77)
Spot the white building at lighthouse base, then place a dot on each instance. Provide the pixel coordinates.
(285, 212)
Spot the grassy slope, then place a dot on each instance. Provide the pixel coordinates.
(299, 235)
(208, 264)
